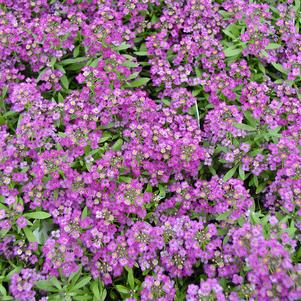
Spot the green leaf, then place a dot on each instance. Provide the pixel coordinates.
(251, 120)
(76, 51)
(226, 239)
(261, 67)
(74, 61)
(3, 290)
(4, 92)
(41, 233)
(162, 190)
(60, 67)
(2, 120)
(223, 216)
(149, 188)
(255, 218)
(95, 289)
(38, 215)
(139, 82)
(244, 127)
(76, 67)
(260, 187)
(130, 64)
(255, 178)
(196, 92)
(131, 279)
(103, 295)
(141, 53)
(106, 136)
(272, 46)
(46, 285)
(56, 283)
(52, 61)
(75, 276)
(84, 213)
(17, 269)
(29, 235)
(291, 231)
(232, 52)
(122, 46)
(10, 114)
(230, 173)
(82, 282)
(122, 289)
(229, 34)
(133, 75)
(125, 179)
(41, 73)
(117, 145)
(279, 68)
(7, 298)
(212, 170)
(60, 97)
(241, 173)
(65, 82)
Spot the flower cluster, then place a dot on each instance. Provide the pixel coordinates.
(150, 150)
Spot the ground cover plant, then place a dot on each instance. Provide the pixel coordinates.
(150, 150)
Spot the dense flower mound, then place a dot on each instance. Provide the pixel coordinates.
(150, 150)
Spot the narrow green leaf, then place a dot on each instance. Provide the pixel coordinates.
(103, 295)
(38, 215)
(74, 61)
(141, 53)
(56, 283)
(10, 114)
(52, 61)
(46, 285)
(162, 191)
(272, 46)
(149, 188)
(125, 179)
(4, 92)
(133, 75)
(95, 289)
(131, 279)
(255, 218)
(279, 68)
(232, 52)
(60, 67)
(122, 289)
(64, 81)
(84, 213)
(244, 127)
(29, 235)
(139, 82)
(76, 51)
(82, 282)
(7, 298)
(229, 174)
(41, 73)
(3, 290)
(241, 172)
(117, 145)
(223, 216)
(130, 64)
(255, 178)
(60, 97)
(106, 136)
(251, 120)
(122, 46)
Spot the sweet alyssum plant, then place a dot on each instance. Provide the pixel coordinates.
(150, 150)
